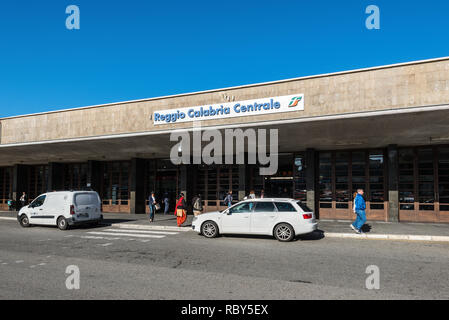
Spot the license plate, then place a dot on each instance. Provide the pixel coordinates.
(84, 215)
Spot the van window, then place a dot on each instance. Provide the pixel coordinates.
(39, 201)
(85, 199)
(285, 207)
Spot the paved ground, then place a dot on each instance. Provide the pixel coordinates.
(151, 264)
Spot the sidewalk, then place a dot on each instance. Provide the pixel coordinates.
(328, 228)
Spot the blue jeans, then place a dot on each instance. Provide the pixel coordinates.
(360, 220)
(152, 209)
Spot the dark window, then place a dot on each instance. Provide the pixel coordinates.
(38, 202)
(285, 207)
(304, 207)
(264, 207)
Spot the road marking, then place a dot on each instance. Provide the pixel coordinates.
(19, 261)
(128, 235)
(42, 264)
(33, 266)
(4, 263)
(146, 227)
(99, 238)
(143, 231)
(106, 244)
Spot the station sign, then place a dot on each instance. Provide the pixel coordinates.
(254, 107)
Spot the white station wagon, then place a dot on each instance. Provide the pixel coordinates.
(282, 218)
(62, 209)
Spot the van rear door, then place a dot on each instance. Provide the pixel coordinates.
(87, 205)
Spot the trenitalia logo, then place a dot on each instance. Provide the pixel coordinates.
(295, 101)
(253, 107)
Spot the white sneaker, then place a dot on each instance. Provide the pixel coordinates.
(352, 227)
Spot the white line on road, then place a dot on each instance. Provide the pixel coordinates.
(142, 231)
(106, 244)
(147, 227)
(128, 235)
(19, 261)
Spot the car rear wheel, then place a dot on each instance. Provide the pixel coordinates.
(284, 232)
(209, 229)
(62, 223)
(24, 221)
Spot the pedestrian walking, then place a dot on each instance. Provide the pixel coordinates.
(152, 204)
(180, 210)
(262, 194)
(252, 194)
(359, 207)
(166, 203)
(197, 204)
(10, 204)
(228, 199)
(23, 199)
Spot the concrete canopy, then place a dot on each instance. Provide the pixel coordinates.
(358, 131)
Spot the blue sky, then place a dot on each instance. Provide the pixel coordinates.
(139, 49)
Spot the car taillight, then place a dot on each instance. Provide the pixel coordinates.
(307, 216)
(72, 210)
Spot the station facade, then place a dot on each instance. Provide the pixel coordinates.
(383, 129)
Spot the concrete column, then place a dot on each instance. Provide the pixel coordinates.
(19, 181)
(242, 181)
(393, 190)
(137, 196)
(55, 176)
(311, 180)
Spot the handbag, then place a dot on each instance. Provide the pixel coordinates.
(179, 212)
(157, 206)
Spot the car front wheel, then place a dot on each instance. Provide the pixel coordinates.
(284, 232)
(24, 221)
(209, 229)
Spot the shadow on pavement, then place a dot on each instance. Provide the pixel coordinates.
(316, 235)
(366, 228)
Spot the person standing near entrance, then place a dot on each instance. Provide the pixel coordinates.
(228, 199)
(252, 194)
(262, 194)
(197, 204)
(152, 204)
(359, 207)
(180, 210)
(166, 203)
(23, 199)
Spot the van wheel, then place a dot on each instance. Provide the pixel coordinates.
(284, 232)
(62, 223)
(24, 221)
(209, 229)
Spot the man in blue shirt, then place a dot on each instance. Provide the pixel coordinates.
(360, 207)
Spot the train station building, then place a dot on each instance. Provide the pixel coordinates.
(384, 129)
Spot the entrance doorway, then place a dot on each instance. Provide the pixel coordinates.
(280, 185)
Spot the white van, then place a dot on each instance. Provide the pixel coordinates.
(62, 209)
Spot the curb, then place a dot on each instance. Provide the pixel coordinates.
(144, 227)
(387, 237)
